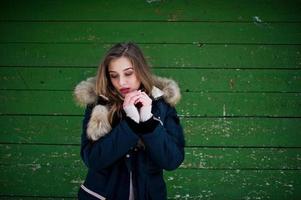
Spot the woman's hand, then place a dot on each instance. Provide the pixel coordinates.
(146, 109)
(129, 107)
(137, 97)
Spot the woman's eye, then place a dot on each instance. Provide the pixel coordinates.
(129, 73)
(113, 76)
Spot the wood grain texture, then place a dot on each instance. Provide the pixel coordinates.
(197, 55)
(150, 32)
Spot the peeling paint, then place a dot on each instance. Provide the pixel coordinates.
(256, 19)
(224, 110)
(152, 1)
(77, 181)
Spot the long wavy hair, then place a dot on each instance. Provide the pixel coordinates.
(104, 86)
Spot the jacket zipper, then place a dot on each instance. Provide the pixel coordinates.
(158, 119)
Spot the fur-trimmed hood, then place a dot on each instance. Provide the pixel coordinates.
(99, 125)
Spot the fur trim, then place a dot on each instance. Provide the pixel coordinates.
(98, 126)
(171, 90)
(84, 92)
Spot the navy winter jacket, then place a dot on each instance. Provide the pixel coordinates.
(115, 157)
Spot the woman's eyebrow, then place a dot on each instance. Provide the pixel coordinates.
(123, 70)
(128, 68)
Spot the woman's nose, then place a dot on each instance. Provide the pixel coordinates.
(122, 81)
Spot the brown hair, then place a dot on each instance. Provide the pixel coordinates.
(104, 85)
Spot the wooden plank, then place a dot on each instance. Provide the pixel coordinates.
(240, 104)
(204, 10)
(193, 184)
(242, 158)
(209, 132)
(150, 32)
(192, 104)
(40, 156)
(26, 180)
(52, 156)
(236, 184)
(260, 132)
(160, 55)
(217, 80)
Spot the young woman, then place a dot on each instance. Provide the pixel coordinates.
(131, 131)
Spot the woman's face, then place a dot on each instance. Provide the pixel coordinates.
(123, 76)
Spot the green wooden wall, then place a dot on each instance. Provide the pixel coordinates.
(238, 64)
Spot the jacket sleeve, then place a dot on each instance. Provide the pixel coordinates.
(165, 144)
(109, 148)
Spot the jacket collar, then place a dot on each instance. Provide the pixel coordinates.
(98, 125)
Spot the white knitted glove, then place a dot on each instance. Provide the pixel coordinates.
(145, 113)
(132, 112)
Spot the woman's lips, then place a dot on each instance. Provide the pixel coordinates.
(125, 90)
